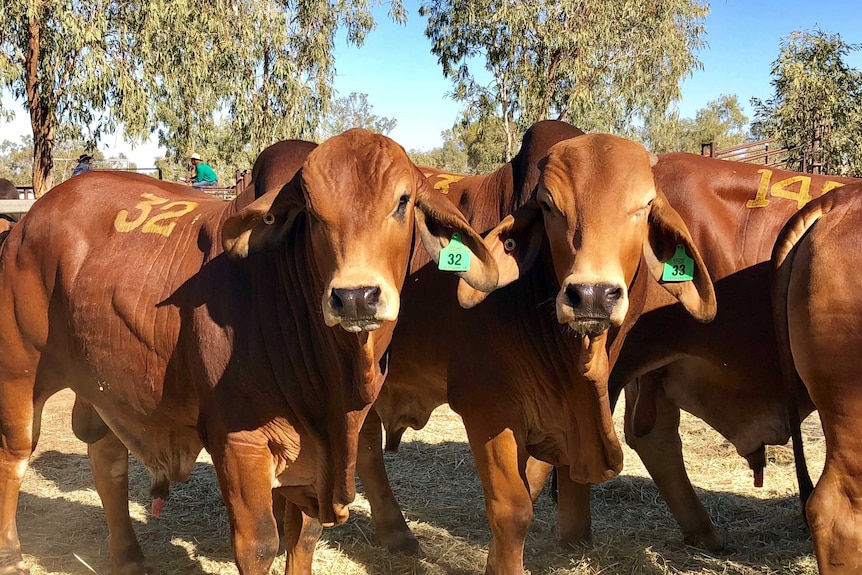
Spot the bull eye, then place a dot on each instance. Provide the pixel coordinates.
(269, 218)
(401, 210)
(509, 245)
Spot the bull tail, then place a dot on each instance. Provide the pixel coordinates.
(555, 487)
(782, 266)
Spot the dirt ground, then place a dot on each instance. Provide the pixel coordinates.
(62, 528)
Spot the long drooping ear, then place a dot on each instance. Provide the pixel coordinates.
(667, 231)
(514, 244)
(437, 219)
(264, 222)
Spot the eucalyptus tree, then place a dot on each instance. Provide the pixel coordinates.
(816, 106)
(261, 70)
(353, 111)
(721, 122)
(600, 64)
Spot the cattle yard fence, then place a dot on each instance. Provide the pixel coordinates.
(772, 154)
(767, 152)
(25, 193)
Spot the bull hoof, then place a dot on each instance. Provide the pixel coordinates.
(578, 541)
(401, 543)
(137, 568)
(711, 541)
(12, 563)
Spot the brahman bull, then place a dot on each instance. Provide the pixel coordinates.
(416, 383)
(186, 322)
(725, 372)
(818, 314)
(529, 366)
(527, 388)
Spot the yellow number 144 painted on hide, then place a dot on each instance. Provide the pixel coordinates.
(782, 189)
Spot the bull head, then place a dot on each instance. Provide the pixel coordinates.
(598, 207)
(359, 192)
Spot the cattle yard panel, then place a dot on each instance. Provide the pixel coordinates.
(770, 153)
(243, 179)
(21, 206)
(15, 206)
(767, 152)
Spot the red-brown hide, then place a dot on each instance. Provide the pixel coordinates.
(725, 372)
(517, 367)
(818, 314)
(117, 285)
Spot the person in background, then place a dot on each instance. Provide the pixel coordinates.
(83, 165)
(203, 175)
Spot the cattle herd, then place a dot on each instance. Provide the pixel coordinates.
(348, 293)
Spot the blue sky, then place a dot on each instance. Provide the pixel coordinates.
(403, 80)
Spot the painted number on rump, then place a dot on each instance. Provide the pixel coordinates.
(444, 181)
(786, 188)
(159, 223)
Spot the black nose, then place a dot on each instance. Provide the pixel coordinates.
(355, 303)
(594, 300)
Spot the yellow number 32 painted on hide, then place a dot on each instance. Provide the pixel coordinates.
(159, 223)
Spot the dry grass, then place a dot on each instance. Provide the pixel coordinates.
(61, 524)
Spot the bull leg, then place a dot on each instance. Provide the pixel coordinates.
(574, 508)
(301, 535)
(537, 476)
(245, 478)
(501, 463)
(18, 435)
(661, 453)
(386, 514)
(834, 509)
(109, 460)
(279, 511)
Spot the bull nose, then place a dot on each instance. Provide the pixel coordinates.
(595, 300)
(358, 302)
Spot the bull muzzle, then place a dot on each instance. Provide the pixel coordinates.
(355, 309)
(591, 308)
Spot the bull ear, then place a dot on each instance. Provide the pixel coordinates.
(667, 231)
(437, 219)
(514, 244)
(264, 222)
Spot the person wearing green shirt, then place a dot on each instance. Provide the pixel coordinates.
(203, 176)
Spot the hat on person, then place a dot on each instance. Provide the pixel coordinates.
(195, 156)
(84, 157)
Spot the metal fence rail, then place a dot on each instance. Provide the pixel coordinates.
(243, 180)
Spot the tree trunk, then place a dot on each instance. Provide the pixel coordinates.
(41, 113)
(43, 156)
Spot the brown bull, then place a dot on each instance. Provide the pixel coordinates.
(187, 322)
(416, 383)
(532, 392)
(818, 314)
(725, 372)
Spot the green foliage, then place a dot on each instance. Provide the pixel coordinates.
(721, 122)
(485, 142)
(470, 147)
(817, 96)
(353, 111)
(16, 160)
(451, 156)
(598, 64)
(234, 74)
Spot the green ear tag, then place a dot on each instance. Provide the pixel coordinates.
(455, 257)
(679, 268)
